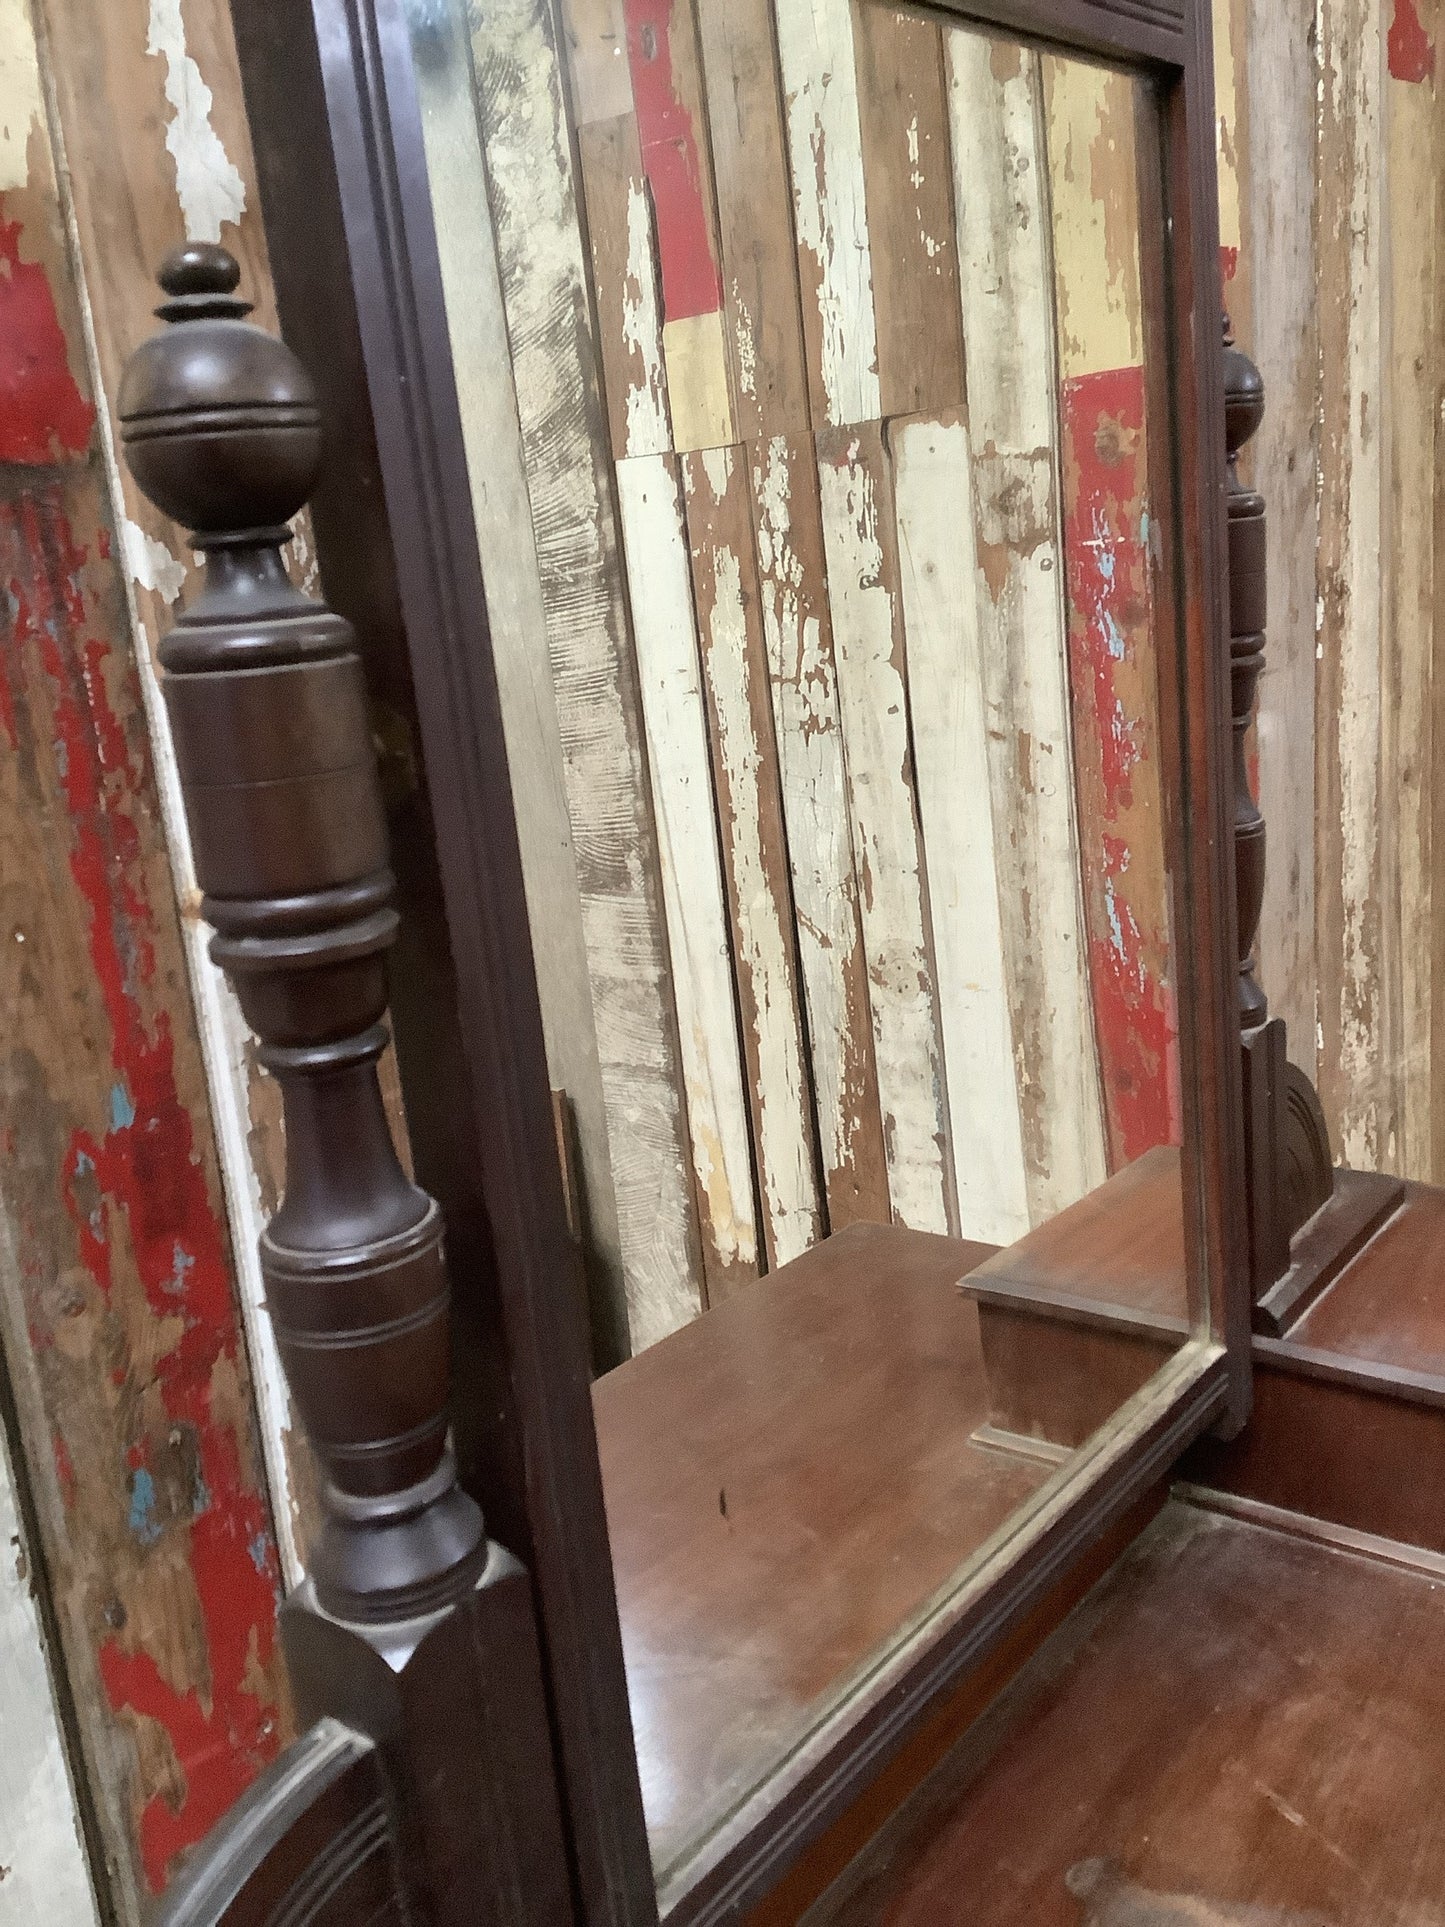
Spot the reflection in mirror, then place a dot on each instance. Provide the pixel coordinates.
(801, 350)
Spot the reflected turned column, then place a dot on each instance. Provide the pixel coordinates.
(412, 1626)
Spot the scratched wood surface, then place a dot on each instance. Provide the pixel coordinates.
(122, 1336)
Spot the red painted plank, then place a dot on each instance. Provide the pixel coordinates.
(667, 113)
(1121, 830)
(1411, 50)
(42, 412)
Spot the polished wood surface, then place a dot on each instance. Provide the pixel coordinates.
(1350, 1406)
(1118, 1251)
(788, 1480)
(1239, 1727)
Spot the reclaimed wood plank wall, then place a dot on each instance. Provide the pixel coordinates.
(737, 261)
(1332, 166)
(153, 1434)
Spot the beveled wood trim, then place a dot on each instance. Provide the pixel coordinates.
(745, 1858)
(330, 89)
(1131, 32)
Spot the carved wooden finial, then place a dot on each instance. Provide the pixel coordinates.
(266, 699)
(1248, 614)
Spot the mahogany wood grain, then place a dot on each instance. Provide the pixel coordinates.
(787, 1480)
(1130, 1775)
(1351, 1405)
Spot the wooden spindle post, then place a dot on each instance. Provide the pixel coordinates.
(412, 1627)
(1248, 608)
(1304, 1222)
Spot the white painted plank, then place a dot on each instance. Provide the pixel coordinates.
(798, 634)
(544, 287)
(43, 1871)
(516, 611)
(1005, 274)
(825, 150)
(861, 543)
(658, 570)
(933, 501)
(719, 524)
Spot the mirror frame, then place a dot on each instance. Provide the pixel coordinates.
(331, 99)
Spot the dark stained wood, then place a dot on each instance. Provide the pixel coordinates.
(330, 89)
(1359, 1204)
(1131, 1775)
(410, 1616)
(505, 1122)
(787, 1480)
(1077, 1317)
(1120, 1249)
(315, 1837)
(1350, 1406)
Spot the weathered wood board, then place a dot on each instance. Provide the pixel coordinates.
(121, 1331)
(1092, 175)
(749, 811)
(1006, 276)
(570, 488)
(860, 537)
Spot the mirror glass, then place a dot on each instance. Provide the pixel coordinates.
(809, 364)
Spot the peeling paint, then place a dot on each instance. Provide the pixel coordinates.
(150, 563)
(22, 105)
(208, 183)
(1411, 50)
(43, 415)
(691, 282)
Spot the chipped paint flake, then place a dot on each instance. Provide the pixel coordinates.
(208, 182)
(150, 563)
(21, 104)
(647, 429)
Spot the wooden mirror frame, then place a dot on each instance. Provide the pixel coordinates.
(331, 98)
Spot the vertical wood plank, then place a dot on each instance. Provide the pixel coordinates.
(798, 628)
(655, 538)
(41, 1848)
(825, 152)
(933, 502)
(1413, 162)
(544, 292)
(1092, 173)
(599, 82)
(1357, 1050)
(156, 147)
(118, 1318)
(860, 536)
(1279, 201)
(624, 281)
(667, 90)
(516, 610)
(908, 178)
(755, 218)
(1005, 273)
(750, 820)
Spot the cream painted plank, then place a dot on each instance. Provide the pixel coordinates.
(1414, 159)
(1279, 204)
(659, 571)
(860, 535)
(544, 291)
(45, 1875)
(825, 152)
(798, 630)
(1357, 1050)
(516, 611)
(750, 822)
(1006, 278)
(933, 502)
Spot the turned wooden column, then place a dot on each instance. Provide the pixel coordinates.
(413, 1628)
(1248, 614)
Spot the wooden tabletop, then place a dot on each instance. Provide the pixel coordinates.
(788, 1479)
